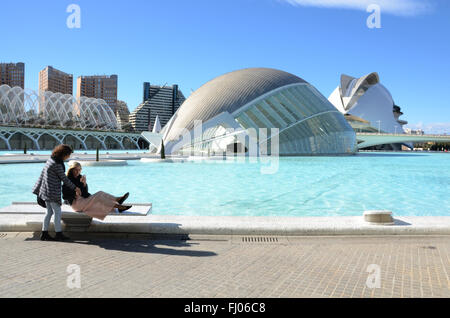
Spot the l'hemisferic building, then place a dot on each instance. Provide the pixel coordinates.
(234, 103)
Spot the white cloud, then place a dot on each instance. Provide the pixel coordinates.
(396, 7)
(431, 128)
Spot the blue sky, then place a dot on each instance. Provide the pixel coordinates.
(189, 42)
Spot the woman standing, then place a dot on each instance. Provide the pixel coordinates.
(98, 205)
(48, 188)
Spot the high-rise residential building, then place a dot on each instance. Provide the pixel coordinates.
(12, 74)
(99, 86)
(161, 101)
(56, 81)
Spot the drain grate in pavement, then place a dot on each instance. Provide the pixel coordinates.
(259, 239)
(3, 235)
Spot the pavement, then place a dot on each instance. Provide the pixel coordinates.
(227, 266)
(144, 255)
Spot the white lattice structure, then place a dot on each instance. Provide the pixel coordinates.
(33, 138)
(28, 108)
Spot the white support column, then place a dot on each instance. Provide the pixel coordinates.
(6, 142)
(118, 141)
(135, 140)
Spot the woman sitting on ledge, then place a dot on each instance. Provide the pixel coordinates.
(98, 205)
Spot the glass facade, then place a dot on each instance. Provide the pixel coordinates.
(308, 125)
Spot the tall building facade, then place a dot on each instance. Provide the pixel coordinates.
(99, 86)
(56, 81)
(12, 74)
(161, 101)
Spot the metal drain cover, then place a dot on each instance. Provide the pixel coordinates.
(259, 240)
(253, 239)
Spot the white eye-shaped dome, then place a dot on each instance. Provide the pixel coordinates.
(257, 98)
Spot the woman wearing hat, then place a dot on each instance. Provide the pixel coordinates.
(98, 205)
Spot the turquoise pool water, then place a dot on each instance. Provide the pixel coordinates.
(414, 184)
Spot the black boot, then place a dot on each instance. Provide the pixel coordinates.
(123, 198)
(46, 237)
(61, 237)
(122, 208)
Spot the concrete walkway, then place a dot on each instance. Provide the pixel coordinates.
(225, 266)
(189, 256)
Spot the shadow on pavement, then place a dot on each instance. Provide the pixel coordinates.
(134, 243)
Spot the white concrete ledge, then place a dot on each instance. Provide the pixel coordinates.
(27, 208)
(231, 225)
(167, 160)
(101, 163)
(37, 158)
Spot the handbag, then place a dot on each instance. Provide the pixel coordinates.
(41, 202)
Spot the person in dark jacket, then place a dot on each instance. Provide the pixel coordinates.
(98, 205)
(48, 188)
(74, 175)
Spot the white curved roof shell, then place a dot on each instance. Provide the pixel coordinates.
(368, 99)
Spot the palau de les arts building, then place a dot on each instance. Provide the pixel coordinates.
(369, 107)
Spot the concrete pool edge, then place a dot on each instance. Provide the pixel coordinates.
(41, 158)
(235, 225)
